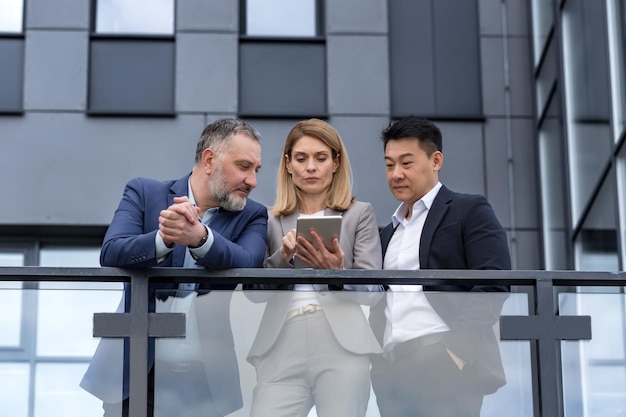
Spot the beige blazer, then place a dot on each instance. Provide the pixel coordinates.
(360, 243)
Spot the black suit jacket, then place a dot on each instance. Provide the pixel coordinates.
(462, 231)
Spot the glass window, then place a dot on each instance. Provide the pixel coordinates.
(271, 75)
(621, 197)
(596, 244)
(286, 18)
(543, 22)
(145, 17)
(616, 12)
(11, 16)
(587, 98)
(435, 59)
(131, 76)
(11, 73)
(553, 198)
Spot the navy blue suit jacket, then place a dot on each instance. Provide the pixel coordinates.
(239, 242)
(462, 231)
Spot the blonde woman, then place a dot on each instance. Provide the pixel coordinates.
(314, 342)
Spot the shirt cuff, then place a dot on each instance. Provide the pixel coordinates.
(161, 248)
(201, 251)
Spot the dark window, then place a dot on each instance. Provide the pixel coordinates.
(132, 58)
(12, 53)
(435, 58)
(11, 74)
(282, 59)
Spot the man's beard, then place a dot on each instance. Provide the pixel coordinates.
(225, 198)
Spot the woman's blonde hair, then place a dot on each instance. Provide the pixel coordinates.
(288, 196)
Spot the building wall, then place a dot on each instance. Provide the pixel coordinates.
(63, 167)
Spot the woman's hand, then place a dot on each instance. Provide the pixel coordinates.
(317, 255)
(288, 248)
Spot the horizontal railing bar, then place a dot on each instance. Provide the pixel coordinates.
(252, 275)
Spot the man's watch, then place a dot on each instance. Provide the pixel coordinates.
(202, 241)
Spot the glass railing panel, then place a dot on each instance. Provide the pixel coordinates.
(594, 371)
(212, 372)
(42, 370)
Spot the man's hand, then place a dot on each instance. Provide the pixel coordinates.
(179, 223)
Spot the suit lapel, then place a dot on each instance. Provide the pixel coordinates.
(435, 215)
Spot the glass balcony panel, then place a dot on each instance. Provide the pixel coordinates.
(184, 371)
(594, 371)
(57, 392)
(14, 380)
(65, 320)
(10, 317)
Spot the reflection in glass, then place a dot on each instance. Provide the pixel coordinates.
(594, 371)
(58, 393)
(587, 97)
(10, 303)
(616, 10)
(621, 197)
(553, 203)
(543, 22)
(143, 17)
(14, 379)
(11, 15)
(596, 244)
(296, 18)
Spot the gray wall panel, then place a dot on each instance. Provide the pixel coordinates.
(56, 70)
(492, 61)
(516, 13)
(525, 171)
(365, 149)
(520, 73)
(356, 16)
(206, 72)
(66, 14)
(214, 15)
(526, 250)
(463, 157)
(273, 135)
(358, 73)
(493, 69)
(497, 169)
(68, 169)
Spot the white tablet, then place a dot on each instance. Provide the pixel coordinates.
(326, 226)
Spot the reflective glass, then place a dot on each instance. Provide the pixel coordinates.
(553, 202)
(594, 371)
(296, 18)
(617, 42)
(587, 97)
(10, 303)
(11, 15)
(184, 374)
(596, 243)
(543, 22)
(621, 197)
(58, 392)
(141, 17)
(14, 379)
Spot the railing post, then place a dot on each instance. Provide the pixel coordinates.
(138, 349)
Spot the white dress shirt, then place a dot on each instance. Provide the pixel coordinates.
(409, 314)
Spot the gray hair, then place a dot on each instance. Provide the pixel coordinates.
(218, 135)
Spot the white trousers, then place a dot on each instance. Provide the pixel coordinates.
(307, 367)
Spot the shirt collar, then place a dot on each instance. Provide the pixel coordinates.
(427, 200)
